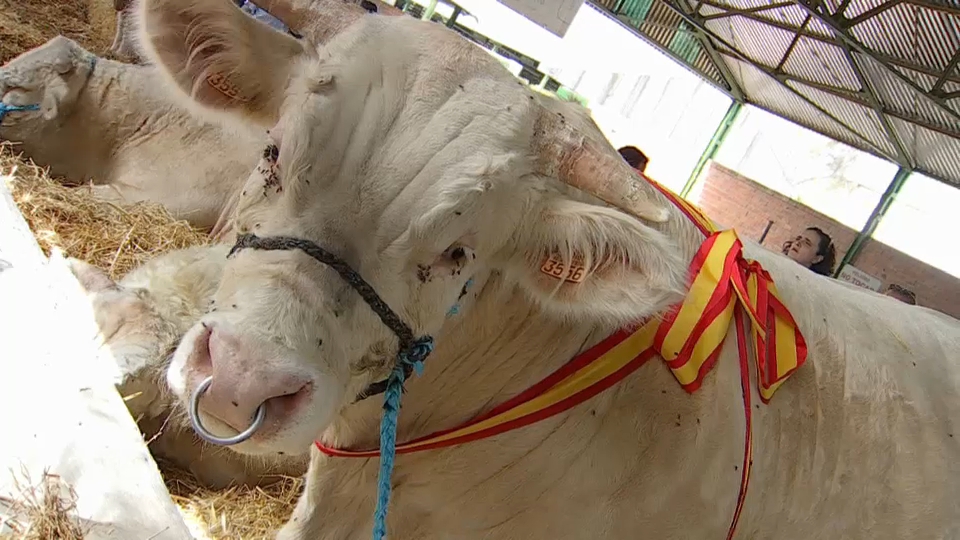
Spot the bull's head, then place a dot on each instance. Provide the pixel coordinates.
(417, 159)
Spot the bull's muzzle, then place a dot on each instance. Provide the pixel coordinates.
(194, 411)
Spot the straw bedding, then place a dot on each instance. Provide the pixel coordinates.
(118, 239)
(115, 239)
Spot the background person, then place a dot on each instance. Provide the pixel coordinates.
(901, 293)
(813, 249)
(637, 159)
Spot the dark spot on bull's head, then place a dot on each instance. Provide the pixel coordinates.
(319, 343)
(457, 254)
(271, 153)
(235, 404)
(423, 273)
(369, 6)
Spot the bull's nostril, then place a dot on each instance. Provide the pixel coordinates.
(285, 405)
(201, 357)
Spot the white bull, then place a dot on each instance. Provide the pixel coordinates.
(141, 319)
(111, 123)
(422, 164)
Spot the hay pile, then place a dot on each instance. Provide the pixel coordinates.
(25, 24)
(114, 238)
(118, 239)
(235, 513)
(43, 510)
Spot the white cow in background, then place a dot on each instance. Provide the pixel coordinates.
(111, 123)
(423, 164)
(141, 319)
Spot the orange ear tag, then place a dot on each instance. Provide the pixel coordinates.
(554, 267)
(223, 85)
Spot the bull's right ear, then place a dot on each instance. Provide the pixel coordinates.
(219, 57)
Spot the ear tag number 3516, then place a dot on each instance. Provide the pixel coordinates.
(554, 267)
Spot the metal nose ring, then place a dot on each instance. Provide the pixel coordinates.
(210, 437)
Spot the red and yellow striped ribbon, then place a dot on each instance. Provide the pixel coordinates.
(723, 286)
(691, 334)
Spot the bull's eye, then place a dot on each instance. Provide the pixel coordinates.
(455, 258)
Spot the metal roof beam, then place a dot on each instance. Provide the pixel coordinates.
(841, 8)
(870, 13)
(730, 12)
(793, 43)
(937, 89)
(880, 57)
(868, 91)
(842, 93)
(937, 6)
(722, 67)
(845, 37)
(695, 22)
(732, 88)
(922, 123)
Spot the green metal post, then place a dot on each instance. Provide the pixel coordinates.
(713, 146)
(453, 18)
(431, 8)
(875, 217)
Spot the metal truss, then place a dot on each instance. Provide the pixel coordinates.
(697, 14)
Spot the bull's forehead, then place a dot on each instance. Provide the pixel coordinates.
(362, 155)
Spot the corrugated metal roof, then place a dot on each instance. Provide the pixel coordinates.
(880, 75)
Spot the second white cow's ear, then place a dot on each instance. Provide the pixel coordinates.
(92, 279)
(597, 264)
(217, 57)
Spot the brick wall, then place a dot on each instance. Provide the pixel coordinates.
(732, 200)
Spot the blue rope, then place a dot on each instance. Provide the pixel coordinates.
(455, 309)
(4, 109)
(413, 357)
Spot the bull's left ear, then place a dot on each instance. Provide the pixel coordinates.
(218, 57)
(594, 262)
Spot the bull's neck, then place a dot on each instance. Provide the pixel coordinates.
(500, 346)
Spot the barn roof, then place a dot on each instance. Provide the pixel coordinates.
(880, 75)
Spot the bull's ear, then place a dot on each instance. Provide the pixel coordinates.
(91, 278)
(594, 262)
(217, 56)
